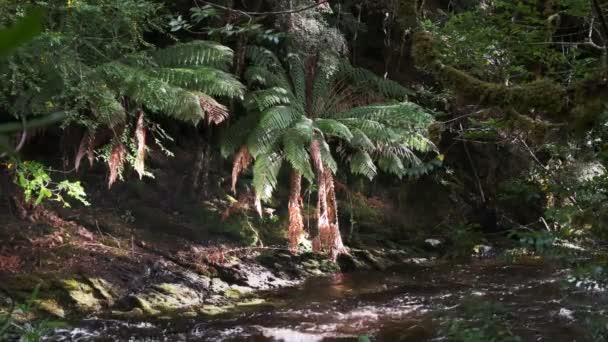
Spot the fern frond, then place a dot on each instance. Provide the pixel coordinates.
(211, 81)
(193, 54)
(261, 57)
(392, 164)
(236, 135)
(361, 163)
(265, 171)
(264, 99)
(334, 128)
(297, 155)
(297, 75)
(327, 158)
(106, 108)
(366, 78)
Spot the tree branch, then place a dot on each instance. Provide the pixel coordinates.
(250, 14)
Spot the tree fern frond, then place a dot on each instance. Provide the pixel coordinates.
(261, 57)
(279, 117)
(155, 94)
(192, 54)
(236, 135)
(265, 77)
(264, 99)
(361, 163)
(366, 78)
(265, 171)
(361, 141)
(334, 128)
(215, 111)
(211, 81)
(297, 155)
(297, 75)
(327, 157)
(391, 163)
(108, 111)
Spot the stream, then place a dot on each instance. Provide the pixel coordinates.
(412, 303)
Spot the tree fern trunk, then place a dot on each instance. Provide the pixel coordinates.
(296, 223)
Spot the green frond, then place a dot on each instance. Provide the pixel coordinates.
(263, 76)
(279, 117)
(152, 93)
(322, 94)
(297, 75)
(297, 155)
(366, 78)
(270, 127)
(327, 157)
(361, 141)
(362, 164)
(235, 136)
(374, 130)
(193, 54)
(334, 128)
(303, 128)
(265, 171)
(211, 81)
(392, 164)
(403, 114)
(261, 57)
(264, 99)
(108, 111)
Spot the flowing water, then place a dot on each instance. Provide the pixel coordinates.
(409, 304)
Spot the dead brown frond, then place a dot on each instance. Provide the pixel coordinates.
(86, 148)
(215, 111)
(140, 136)
(242, 160)
(116, 162)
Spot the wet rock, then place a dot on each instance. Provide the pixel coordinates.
(82, 294)
(167, 297)
(51, 307)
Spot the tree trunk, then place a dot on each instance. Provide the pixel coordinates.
(296, 223)
(328, 239)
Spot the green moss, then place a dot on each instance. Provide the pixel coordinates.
(233, 293)
(145, 306)
(50, 306)
(543, 95)
(214, 310)
(82, 294)
(424, 51)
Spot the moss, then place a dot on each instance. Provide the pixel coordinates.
(214, 310)
(145, 306)
(133, 314)
(82, 294)
(251, 302)
(425, 53)
(50, 306)
(542, 95)
(103, 288)
(233, 293)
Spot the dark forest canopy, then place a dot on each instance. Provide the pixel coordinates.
(339, 124)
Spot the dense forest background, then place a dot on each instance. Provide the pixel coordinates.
(310, 125)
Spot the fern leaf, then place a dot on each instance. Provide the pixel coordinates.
(361, 163)
(192, 54)
(262, 100)
(208, 80)
(297, 155)
(265, 171)
(334, 128)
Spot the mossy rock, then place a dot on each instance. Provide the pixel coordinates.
(214, 310)
(166, 298)
(50, 306)
(82, 294)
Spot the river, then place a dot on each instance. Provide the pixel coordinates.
(413, 303)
